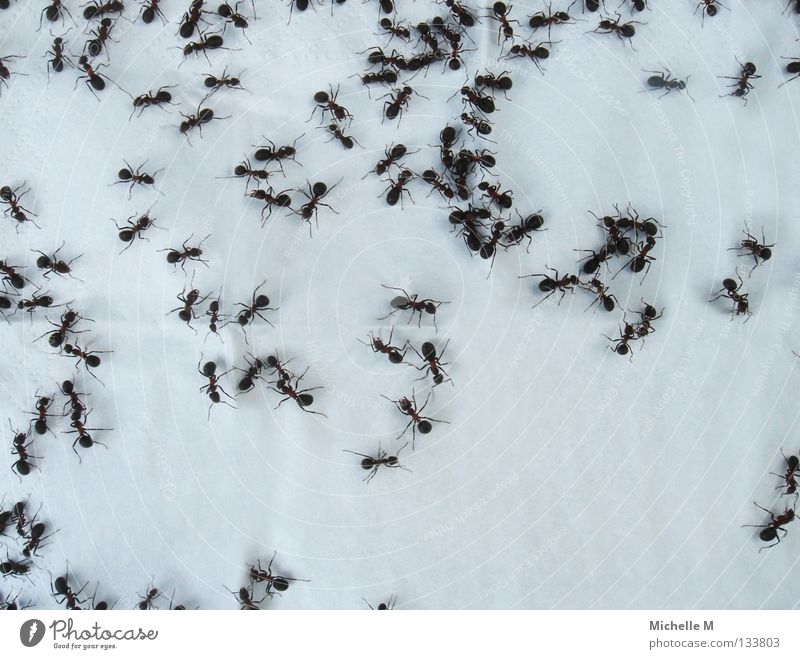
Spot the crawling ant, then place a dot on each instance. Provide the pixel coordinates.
(148, 99)
(453, 58)
(394, 60)
(769, 531)
(471, 223)
(432, 362)
(101, 36)
(10, 603)
(277, 154)
(69, 319)
(595, 259)
(732, 291)
(61, 588)
(393, 154)
(437, 183)
(395, 30)
(337, 133)
(408, 301)
(316, 193)
(626, 335)
(89, 358)
(392, 352)
(299, 396)
(11, 197)
(515, 234)
(134, 229)
(245, 170)
(493, 193)
(792, 67)
(447, 139)
(751, 246)
(709, 8)
(232, 16)
(534, 53)
(396, 189)
(790, 477)
(5, 305)
(13, 568)
(393, 108)
(135, 177)
(203, 116)
(150, 10)
(664, 80)
(274, 582)
(372, 464)
(53, 12)
(23, 463)
(742, 84)
(214, 83)
(53, 265)
(189, 300)
(251, 373)
(11, 276)
(210, 42)
(185, 253)
(500, 12)
(76, 405)
(270, 199)
(467, 160)
(254, 308)
(20, 517)
(477, 100)
(5, 72)
(212, 388)
(383, 77)
(500, 82)
(96, 9)
(460, 13)
(549, 19)
(550, 284)
(214, 316)
(191, 18)
(642, 259)
(420, 423)
(91, 76)
(279, 368)
(602, 296)
(34, 539)
(44, 301)
(245, 595)
(383, 606)
(43, 404)
(148, 599)
(614, 26)
(426, 36)
(327, 103)
(481, 127)
(57, 61)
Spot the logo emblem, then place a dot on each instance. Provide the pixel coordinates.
(31, 633)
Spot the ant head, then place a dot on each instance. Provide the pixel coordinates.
(235, 82)
(213, 305)
(430, 308)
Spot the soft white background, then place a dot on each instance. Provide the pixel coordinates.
(568, 477)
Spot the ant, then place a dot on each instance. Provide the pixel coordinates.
(212, 388)
(251, 373)
(278, 583)
(626, 335)
(393, 154)
(642, 259)
(210, 42)
(279, 368)
(394, 29)
(327, 103)
(393, 108)
(147, 602)
(69, 319)
(792, 67)
(395, 60)
(11, 276)
(396, 189)
(232, 16)
(731, 290)
(11, 197)
(245, 595)
(593, 262)
(337, 133)
(622, 30)
(270, 199)
(175, 256)
(709, 8)
(467, 159)
(414, 412)
(135, 177)
(742, 84)
(770, 531)
(384, 77)
(534, 53)
(257, 304)
(481, 127)
(372, 464)
(44, 301)
(460, 13)
(148, 99)
(447, 139)
(53, 265)
(500, 82)
(437, 183)
(150, 10)
(550, 285)
(751, 246)
(300, 396)
(454, 59)
(11, 604)
(96, 9)
(542, 19)
(432, 362)
(89, 358)
(411, 301)
(91, 76)
(470, 222)
(600, 290)
(61, 588)
(245, 170)
(518, 232)
(189, 300)
(14, 568)
(191, 18)
(315, 194)
(392, 352)
(664, 80)
(383, 606)
(34, 539)
(101, 35)
(474, 98)
(5, 72)
(789, 478)
(493, 193)
(277, 154)
(53, 11)
(500, 14)
(23, 463)
(214, 83)
(77, 407)
(203, 116)
(214, 316)
(57, 61)
(43, 404)
(488, 248)
(131, 230)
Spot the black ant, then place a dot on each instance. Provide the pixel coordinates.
(69, 319)
(432, 362)
(742, 84)
(347, 141)
(790, 477)
(185, 253)
(447, 139)
(135, 177)
(626, 335)
(732, 291)
(101, 35)
(191, 18)
(664, 80)
(395, 30)
(500, 82)
(206, 42)
(467, 160)
(596, 259)
(392, 352)
(549, 19)
(134, 229)
(709, 8)
(150, 10)
(189, 300)
(89, 358)
(500, 12)
(96, 9)
(453, 59)
(57, 61)
(751, 246)
(792, 67)
(274, 582)
(43, 404)
(61, 588)
(203, 116)
(23, 463)
(76, 405)
(327, 103)
(393, 108)
(460, 13)
(515, 234)
(251, 373)
(245, 595)
(147, 600)
(642, 259)
(470, 223)
(437, 183)
(148, 99)
(614, 26)
(270, 199)
(279, 368)
(13, 568)
(214, 316)
(420, 423)
(494, 194)
(383, 77)
(383, 606)
(34, 538)
(245, 170)
(315, 194)
(372, 464)
(396, 189)
(770, 531)
(11, 197)
(212, 387)
(254, 308)
(299, 396)
(214, 83)
(533, 53)
(53, 11)
(232, 16)
(394, 60)
(44, 301)
(277, 154)
(600, 290)
(5, 72)
(53, 265)
(408, 301)
(550, 284)
(481, 127)
(11, 276)
(393, 154)
(476, 99)
(91, 75)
